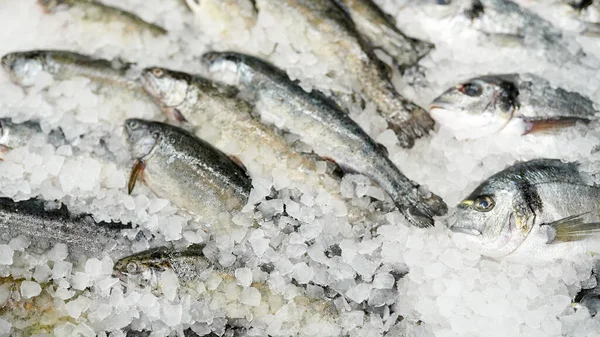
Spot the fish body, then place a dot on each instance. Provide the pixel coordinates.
(96, 11)
(329, 130)
(83, 237)
(524, 103)
(380, 31)
(535, 211)
(332, 34)
(222, 118)
(191, 173)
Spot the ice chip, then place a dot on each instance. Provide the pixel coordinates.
(383, 281)
(303, 273)
(30, 289)
(359, 293)
(6, 254)
(58, 253)
(171, 314)
(77, 306)
(250, 296)
(244, 277)
(169, 283)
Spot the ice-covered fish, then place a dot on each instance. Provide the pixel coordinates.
(524, 103)
(338, 39)
(222, 119)
(329, 130)
(44, 227)
(96, 11)
(254, 302)
(191, 173)
(14, 135)
(380, 31)
(534, 211)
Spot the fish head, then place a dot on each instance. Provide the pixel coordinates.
(494, 219)
(23, 67)
(478, 107)
(143, 136)
(143, 265)
(169, 88)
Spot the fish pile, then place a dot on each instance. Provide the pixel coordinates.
(298, 168)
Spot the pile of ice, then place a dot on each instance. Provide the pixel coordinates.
(353, 267)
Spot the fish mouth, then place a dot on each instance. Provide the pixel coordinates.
(465, 230)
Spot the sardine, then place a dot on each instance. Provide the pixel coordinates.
(13, 135)
(84, 237)
(96, 11)
(380, 31)
(339, 39)
(329, 130)
(518, 102)
(540, 210)
(178, 166)
(221, 118)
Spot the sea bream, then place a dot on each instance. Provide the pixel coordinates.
(534, 211)
(521, 103)
(331, 34)
(191, 173)
(322, 124)
(380, 31)
(226, 122)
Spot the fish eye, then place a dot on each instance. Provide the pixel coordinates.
(484, 203)
(131, 267)
(470, 89)
(158, 72)
(155, 134)
(132, 124)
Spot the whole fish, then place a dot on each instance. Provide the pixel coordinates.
(84, 237)
(178, 166)
(222, 119)
(192, 268)
(380, 31)
(329, 130)
(96, 11)
(338, 39)
(522, 102)
(14, 135)
(535, 211)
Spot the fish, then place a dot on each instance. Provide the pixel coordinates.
(192, 267)
(44, 227)
(522, 103)
(532, 212)
(380, 31)
(322, 124)
(192, 174)
(96, 11)
(339, 39)
(221, 118)
(15, 135)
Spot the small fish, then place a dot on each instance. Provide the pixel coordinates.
(539, 210)
(84, 237)
(380, 31)
(14, 135)
(330, 131)
(223, 118)
(339, 39)
(524, 103)
(191, 173)
(96, 11)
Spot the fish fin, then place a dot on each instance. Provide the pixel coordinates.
(238, 162)
(416, 127)
(536, 126)
(3, 150)
(174, 113)
(136, 173)
(572, 228)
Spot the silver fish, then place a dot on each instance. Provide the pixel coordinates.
(191, 173)
(339, 39)
(14, 135)
(522, 102)
(84, 237)
(380, 31)
(534, 211)
(329, 130)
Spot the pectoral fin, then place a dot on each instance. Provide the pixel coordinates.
(535, 126)
(572, 228)
(136, 173)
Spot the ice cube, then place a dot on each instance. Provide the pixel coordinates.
(58, 253)
(243, 276)
(359, 293)
(171, 314)
(93, 267)
(61, 269)
(383, 281)
(30, 289)
(303, 273)
(77, 306)
(42, 273)
(4, 327)
(250, 296)
(170, 284)
(6, 254)
(84, 330)
(80, 281)
(19, 243)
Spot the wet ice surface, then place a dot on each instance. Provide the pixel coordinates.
(304, 247)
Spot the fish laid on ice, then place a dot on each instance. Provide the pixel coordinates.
(178, 166)
(338, 39)
(540, 210)
(221, 118)
(84, 237)
(380, 31)
(329, 130)
(524, 103)
(15, 135)
(96, 11)
(254, 302)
